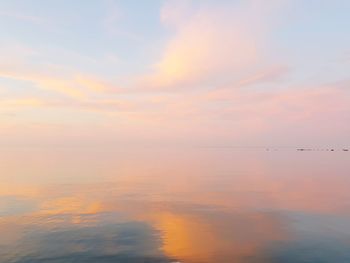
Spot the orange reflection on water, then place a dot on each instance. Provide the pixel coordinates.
(199, 238)
(203, 206)
(71, 205)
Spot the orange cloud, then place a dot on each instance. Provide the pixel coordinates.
(96, 85)
(213, 43)
(61, 80)
(41, 80)
(20, 102)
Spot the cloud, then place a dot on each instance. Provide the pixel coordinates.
(112, 17)
(59, 80)
(217, 77)
(20, 103)
(40, 79)
(267, 75)
(26, 64)
(97, 85)
(244, 115)
(92, 105)
(203, 51)
(113, 21)
(174, 13)
(22, 17)
(309, 114)
(211, 45)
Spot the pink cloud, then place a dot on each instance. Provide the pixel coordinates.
(211, 45)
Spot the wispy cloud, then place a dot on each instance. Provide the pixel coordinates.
(66, 82)
(42, 81)
(22, 17)
(216, 72)
(267, 75)
(175, 13)
(112, 22)
(214, 45)
(20, 103)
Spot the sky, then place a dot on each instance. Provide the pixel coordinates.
(269, 73)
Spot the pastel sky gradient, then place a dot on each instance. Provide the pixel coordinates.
(175, 72)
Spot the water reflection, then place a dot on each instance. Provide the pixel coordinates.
(207, 205)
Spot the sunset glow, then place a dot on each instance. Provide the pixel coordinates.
(174, 131)
(167, 72)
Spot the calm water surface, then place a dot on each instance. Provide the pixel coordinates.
(189, 205)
